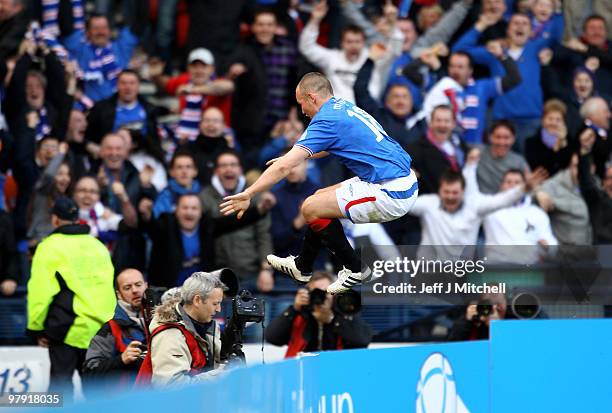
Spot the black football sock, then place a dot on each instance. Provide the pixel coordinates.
(333, 238)
(310, 250)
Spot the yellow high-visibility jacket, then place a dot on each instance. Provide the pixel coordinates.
(70, 291)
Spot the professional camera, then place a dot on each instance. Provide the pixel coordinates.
(150, 299)
(347, 303)
(525, 306)
(245, 309)
(317, 297)
(484, 308)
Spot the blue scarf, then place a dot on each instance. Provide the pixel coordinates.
(178, 190)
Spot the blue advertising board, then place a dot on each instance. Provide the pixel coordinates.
(526, 366)
(551, 366)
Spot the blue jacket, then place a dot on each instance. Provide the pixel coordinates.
(394, 126)
(524, 101)
(99, 85)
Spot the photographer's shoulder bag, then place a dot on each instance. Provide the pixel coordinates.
(198, 357)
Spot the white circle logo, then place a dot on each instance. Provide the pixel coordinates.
(436, 391)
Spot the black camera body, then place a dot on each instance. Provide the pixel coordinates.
(151, 299)
(317, 297)
(347, 303)
(483, 309)
(246, 308)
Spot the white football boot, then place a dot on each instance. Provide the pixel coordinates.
(287, 266)
(347, 279)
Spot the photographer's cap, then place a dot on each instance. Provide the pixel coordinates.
(201, 55)
(65, 209)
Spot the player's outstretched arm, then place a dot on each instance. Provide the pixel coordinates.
(278, 170)
(319, 155)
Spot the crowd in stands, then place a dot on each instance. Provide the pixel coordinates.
(147, 113)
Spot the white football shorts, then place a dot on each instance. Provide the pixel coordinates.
(363, 202)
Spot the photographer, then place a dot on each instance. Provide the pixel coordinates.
(314, 323)
(475, 324)
(185, 341)
(115, 353)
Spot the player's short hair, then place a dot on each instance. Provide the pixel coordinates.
(450, 177)
(315, 82)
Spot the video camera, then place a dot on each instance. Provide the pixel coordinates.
(245, 309)
(151, 298)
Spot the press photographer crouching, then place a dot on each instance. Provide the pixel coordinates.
(318, 321)
(185, 341)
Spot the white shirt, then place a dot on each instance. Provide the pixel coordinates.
(512, 234)
(332, 62)
(451, 232)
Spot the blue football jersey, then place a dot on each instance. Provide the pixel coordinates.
(351, 134)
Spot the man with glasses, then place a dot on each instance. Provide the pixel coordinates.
(103, 222)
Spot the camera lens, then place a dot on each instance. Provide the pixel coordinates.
(348, 303)
(317, 296)
(526, 306)
(484, 308)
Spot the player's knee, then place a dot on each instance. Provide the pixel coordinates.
(308, 210)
